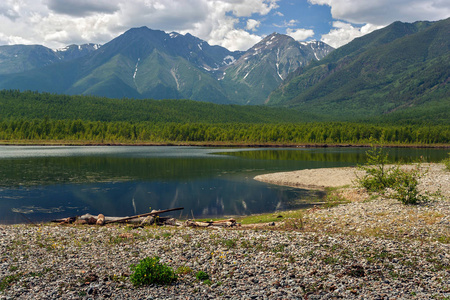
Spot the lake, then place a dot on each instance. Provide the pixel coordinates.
(41, 183)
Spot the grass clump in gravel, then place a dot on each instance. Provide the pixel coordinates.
(183, 270)
(150, 270)
(271, 217)
(202, 275)
(8, 280)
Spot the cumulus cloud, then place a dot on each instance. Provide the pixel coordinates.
(245, 8)
(80, 8)
(343, 33)
(9, 10)
(284, 24)
(252, 24)
(219, 28)
(55, 23)
(239, 40)
(384, 12)
(300, 34)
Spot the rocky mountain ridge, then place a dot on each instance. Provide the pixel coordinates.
(146, 63)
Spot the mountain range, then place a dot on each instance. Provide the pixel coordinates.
(145, 63)
(401, 70)
(20, 58)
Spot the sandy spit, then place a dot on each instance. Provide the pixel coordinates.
(312, 178)
(435, 178)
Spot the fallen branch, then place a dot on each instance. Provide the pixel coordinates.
(153, 213)
(220, 223)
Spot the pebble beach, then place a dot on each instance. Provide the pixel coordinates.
(371, 247)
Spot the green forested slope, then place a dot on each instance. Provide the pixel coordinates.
(33, 105)
(402, 70)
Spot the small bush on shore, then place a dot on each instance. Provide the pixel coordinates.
(150, 270)
(446, 162)
(379, 177)
(405, 186)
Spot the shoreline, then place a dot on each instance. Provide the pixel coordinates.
(217, 145)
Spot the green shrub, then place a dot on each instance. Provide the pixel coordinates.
(446, 162)
(150, 270)
(379, 177)
(201, 275)
(405, 186)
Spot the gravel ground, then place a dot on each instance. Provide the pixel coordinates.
(371, 248)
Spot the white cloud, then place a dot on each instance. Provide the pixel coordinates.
(252, 24)
(245, 8)
(300, 34)
(219, 28)
(239, 40)
(384, 12)
(56, 23)
(284, 24)
(376, 14)
(82, 7)
(291, 23)
(343, 33)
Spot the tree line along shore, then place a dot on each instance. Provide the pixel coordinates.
(81, 131)
(33, 117)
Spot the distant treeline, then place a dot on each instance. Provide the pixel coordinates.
(43, 116)
(129, 132)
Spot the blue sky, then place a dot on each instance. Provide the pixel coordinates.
(234, 24)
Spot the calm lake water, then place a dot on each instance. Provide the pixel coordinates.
(45, 183)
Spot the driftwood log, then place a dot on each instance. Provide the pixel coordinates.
(147, 218)
(221, 223)
(152, 213)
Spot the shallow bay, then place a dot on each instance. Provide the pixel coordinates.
(43, 183)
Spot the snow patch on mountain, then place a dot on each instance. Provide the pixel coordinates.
(136, 68)
(228, 60)
(278, 64)
(62, 49)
